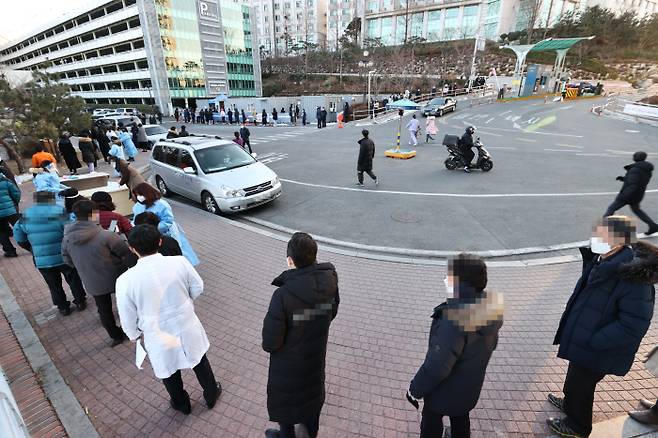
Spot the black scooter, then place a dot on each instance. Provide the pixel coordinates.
(456, 159)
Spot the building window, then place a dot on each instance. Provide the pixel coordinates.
(387, 31)
(451, 24)
(114, 7)
(100, 33)
(119, 28)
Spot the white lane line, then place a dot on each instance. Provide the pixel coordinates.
(566, 107)
(566, 145)
(487, 122)
(490, 133)
(506, 112)
(616, 152)
(511, 148)
(526, 139)
(533, 132)
(458, 195)
(632, 131)
(596, 155)
(562, 150)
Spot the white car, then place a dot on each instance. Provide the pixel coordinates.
(218, 173)
(155, 133)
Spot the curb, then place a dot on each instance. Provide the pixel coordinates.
(66, 405)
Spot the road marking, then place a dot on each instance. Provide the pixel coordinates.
(512, 118)
(511, 148)
(272, 157)
(596, 155)
(506, 112)
(534, 132)
(612, 151)
(532, 120)
(566, 107)
(458, 195)
(566, 145)
(490, 133)
(487, 122)
(632, 131)
(562, 150)
(526, 139)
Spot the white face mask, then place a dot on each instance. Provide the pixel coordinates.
(450, 290)
(598, 246)
(141, 198)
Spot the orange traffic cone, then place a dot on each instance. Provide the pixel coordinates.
(340, 120)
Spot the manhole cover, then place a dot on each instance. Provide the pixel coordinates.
(405, 217)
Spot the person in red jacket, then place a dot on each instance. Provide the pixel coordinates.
(106, 213)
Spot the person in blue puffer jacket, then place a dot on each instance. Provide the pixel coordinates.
(40, 230)
(10, 196)
(128, 145)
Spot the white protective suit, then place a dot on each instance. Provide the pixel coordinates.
(154, 298)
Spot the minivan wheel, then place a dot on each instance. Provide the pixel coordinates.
(162, 186)
(209, 203)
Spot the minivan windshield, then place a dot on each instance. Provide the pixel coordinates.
(224, 157)
(154, 130)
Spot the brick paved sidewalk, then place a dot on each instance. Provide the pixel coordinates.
(376, 344)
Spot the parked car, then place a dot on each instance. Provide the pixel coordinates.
(218, 173)
(439, 106)
(155, 133)
(114, 121)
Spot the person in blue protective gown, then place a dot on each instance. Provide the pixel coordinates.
(148, 198)
(128, 145)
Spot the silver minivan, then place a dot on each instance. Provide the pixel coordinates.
(216, 172)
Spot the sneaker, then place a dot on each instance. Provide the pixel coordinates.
(377, 182)
(467, 170)
(359, 184)
(556, 401)
(652, 230)
(648, 404)
(65, 311)
(561, 428)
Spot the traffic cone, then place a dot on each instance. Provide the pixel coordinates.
(340, 120)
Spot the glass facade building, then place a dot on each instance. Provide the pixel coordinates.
(238, 42)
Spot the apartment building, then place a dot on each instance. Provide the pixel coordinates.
(286, 25)
(146, 51)
(340, 14)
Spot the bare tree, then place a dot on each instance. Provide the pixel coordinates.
(530, 10)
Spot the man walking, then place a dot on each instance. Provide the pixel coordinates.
(324, 117)
(99, 256)
(366, 155)
(155, 300)
(413, 126)
(635, 182)
(10, 196)
(604, 322)
(244, 134)
(40, 230)
(295, 333)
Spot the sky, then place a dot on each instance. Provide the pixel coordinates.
(19, 17)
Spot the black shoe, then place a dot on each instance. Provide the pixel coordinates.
(652, 229)
(82, 305)
(645, 417)
(118, 341)
(556, 401)
(10, 254)
(66, 311)
(561, 428)
(211, 403)
(272, 433)
(648, 404)
(186, 408)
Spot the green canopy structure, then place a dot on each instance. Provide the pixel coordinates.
(558, 45)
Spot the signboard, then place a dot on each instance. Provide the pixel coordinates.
(208, 10)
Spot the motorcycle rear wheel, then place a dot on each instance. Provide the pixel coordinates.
(450, 164)
(487, 165)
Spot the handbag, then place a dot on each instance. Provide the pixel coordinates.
(651, 361)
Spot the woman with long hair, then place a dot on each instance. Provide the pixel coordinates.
(148, 198)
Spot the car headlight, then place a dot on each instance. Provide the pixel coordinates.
(275, 181)
(229, 192)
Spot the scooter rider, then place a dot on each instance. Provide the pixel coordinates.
(467, 144)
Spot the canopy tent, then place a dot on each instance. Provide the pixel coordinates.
(404, 104)
(558, 45)
(221, 98)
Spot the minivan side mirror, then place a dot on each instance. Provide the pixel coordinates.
(254, 154)
(189, 170)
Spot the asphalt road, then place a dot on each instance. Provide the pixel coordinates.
(554, 174)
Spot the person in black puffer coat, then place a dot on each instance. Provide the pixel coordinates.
(87, 148)
(68, 152)
(295, 333)
(605, 319)
(366, 155)
(463, 335)
(635, 182)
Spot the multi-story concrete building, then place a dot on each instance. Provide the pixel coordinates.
(340, 14)
(641, 7)
(286, 25)
(146, 51)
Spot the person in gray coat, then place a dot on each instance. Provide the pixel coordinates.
(142, 139)
(100, 257)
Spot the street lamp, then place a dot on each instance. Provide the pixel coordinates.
(365, 63)
(370, 73)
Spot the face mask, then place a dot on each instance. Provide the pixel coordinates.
(141, 199)
(450, 290)
(598, 246)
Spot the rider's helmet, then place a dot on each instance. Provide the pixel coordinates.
(470, 130)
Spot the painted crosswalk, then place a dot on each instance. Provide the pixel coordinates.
(272, 137)
(271, 157)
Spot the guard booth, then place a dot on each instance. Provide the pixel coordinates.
(536, 78)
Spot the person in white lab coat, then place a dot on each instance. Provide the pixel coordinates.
(413, 127)
(154, 299)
